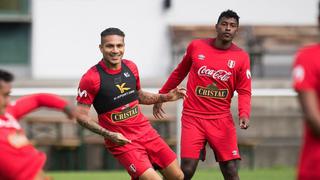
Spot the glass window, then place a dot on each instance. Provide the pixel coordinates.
(14, 43)
(14, 6)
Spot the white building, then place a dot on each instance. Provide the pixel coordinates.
(62, 36)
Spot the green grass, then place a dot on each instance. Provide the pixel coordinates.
(204, 174)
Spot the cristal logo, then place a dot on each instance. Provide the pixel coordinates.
(222, 75)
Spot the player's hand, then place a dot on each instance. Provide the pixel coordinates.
(118, 138)
(158, 112)
(177, 93)
(244, 123)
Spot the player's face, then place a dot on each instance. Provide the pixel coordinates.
(112, 49)
(5, 89)
(226, 29)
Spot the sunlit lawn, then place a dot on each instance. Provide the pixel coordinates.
(204, 174)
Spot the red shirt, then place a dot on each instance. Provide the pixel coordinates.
(306, 76)
(214, 75)
(19, 160)
(133, 127)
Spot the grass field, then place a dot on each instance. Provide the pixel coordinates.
(259, 174)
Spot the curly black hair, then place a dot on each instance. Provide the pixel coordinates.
(229, 14)
(6, 76)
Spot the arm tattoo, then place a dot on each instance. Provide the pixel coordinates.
(151, 98)
(94, 127)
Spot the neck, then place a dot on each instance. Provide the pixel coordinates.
(112, 66)
(220, 44)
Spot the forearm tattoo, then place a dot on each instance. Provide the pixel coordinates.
(94, 127)
(150, 98)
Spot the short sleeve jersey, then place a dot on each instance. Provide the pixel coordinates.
(18, 158)
(126, 119)
(306, 73)
(214, 75)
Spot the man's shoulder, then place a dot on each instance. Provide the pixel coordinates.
(201, 41)
(310, 49)
(130, 64)
(239, 52)
(236, 48)
(90, 73)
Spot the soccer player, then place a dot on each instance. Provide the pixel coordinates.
(113, 87)
(19, 160)
(306, 82)
(216, 68)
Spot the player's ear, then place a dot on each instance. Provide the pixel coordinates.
(100, 47)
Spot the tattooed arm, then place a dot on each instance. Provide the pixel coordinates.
(151, 98)
(84, 119)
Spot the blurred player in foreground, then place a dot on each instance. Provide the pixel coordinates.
(306, 82)
(112, 86)
(216, 68)
(19, 160)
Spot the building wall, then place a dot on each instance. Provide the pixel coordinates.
(65, 33)
(257, 12)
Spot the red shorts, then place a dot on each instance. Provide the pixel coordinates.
(145, 153)
(219, 133)
(309, 166)
(19, 163)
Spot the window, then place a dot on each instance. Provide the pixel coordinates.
(14, 6)
(15, 27)
(14, 43)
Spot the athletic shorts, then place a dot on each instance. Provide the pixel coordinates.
(219, 133)
(145, 153)
(309, 166)
(19, 163)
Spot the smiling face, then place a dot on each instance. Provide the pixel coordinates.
(5, 90)
(226, 29)
(112, 49)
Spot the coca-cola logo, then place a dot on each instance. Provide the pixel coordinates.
(221, 74)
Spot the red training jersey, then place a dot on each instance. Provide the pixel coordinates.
(306, 73)
(18, 158)
(135, 125)
(214, 75)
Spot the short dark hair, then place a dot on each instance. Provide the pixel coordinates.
(6, 76)
(112, 31)
(229, 14)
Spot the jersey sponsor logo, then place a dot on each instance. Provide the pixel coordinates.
(298, 73)
(122, 88)
(125, 114)
(248, 74)
(82, 93)
(11, 122)
(124, 94)
(231, 63)
(221, 74)
(201, 57)
(211, 91)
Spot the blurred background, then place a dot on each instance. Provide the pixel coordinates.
(49, 44)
